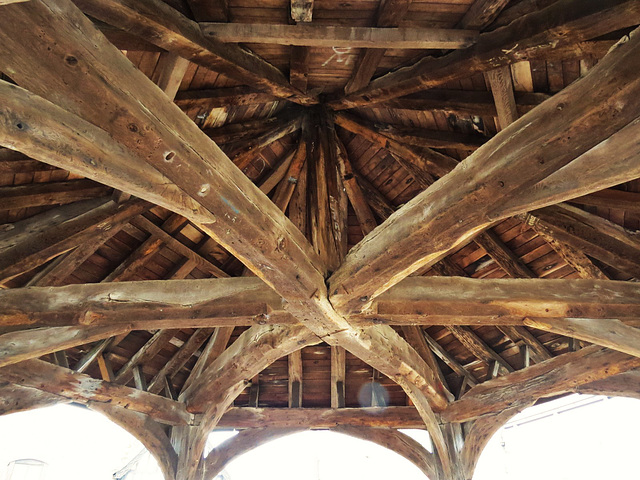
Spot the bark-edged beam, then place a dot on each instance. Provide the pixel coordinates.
(321, 418)
(167, 28)
(340, 36)
(45, 377)
(564, 23)
(149, 432)
(477, 190)
(558, 375)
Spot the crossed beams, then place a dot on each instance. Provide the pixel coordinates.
(190, 184)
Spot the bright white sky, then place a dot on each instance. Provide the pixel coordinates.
(584, 438)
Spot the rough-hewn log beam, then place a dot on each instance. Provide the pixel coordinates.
(45, 377)
(167, 28)
(312, 35)
(321, 418)
(16, 398)
(221, 97)
(421, 137)
(558, 375)
(564, 23)
(493, 174)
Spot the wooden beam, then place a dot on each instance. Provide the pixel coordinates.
(38, 239)
(313, 35)
(482, 13)
(23, 345)
(321, 418)
(169, 29)
(610, 198)
(214, 348)
(484, 186)
(462, 102)
(415, 336)
(133, 304)
(93, 354)
(246, 440)
(16, 398)
(430, 299)
(479, 348)
(149, 350)
(416, 163)
(520, 335)
(338, 376)
(147, 431)
(77, 387)
(221, 97)
(295, 379)
(448, 359)
(502, 255)
(503, 96)
(609, 333)
(593, 235)
(179, 359)
(558, 375)
(170, 71)
(564, 23)
(389, 14)
(421, 137)
(626, 384)
(57, 193)
(397, 442)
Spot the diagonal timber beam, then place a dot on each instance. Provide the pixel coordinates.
(194, 173)
(169, 29)
(473, 196)
(532, 36)
(77, 387)
(558, 375)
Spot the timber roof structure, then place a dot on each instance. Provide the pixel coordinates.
(359, 215)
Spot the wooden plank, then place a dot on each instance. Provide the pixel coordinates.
(169, 29)
(462, 102)
(483, 189)
(338, 376)
(93, 354)
(532, 36)
(81, 388)
(170, 70)
(57, 193)
(38, 239)
(503, 96)
(321, 418)
(313, 35)
(558, 375)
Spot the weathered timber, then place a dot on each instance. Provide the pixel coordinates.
(416, 339)
(532, 36)
(389, 14)
(144, 305)
(520, 335)
(626, 384)
(34, 241)
(167, 28)
(421, 137)
(214, 348)
(462, 102)
(58, 193)
(558, 375)
(417, 163)
(448, 359)
(338, 376)
(17, 398)
(45, 377)
(503, 96)
(149, 350)
(476, 190)
(482, 13)
(149, 432)
(221, 97)
(610, 198)
(170, 71)
(23, 345)
(313, 35)
(294, 361)
(593, 235)
(479, 348)
(321, 418)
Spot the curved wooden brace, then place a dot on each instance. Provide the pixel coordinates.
(16, 398)
(253, 351)
(400, 443)
(149, 432)
(390, 438)
(623, 385)
(237, 445)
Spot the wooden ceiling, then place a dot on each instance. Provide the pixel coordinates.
(503, 133)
